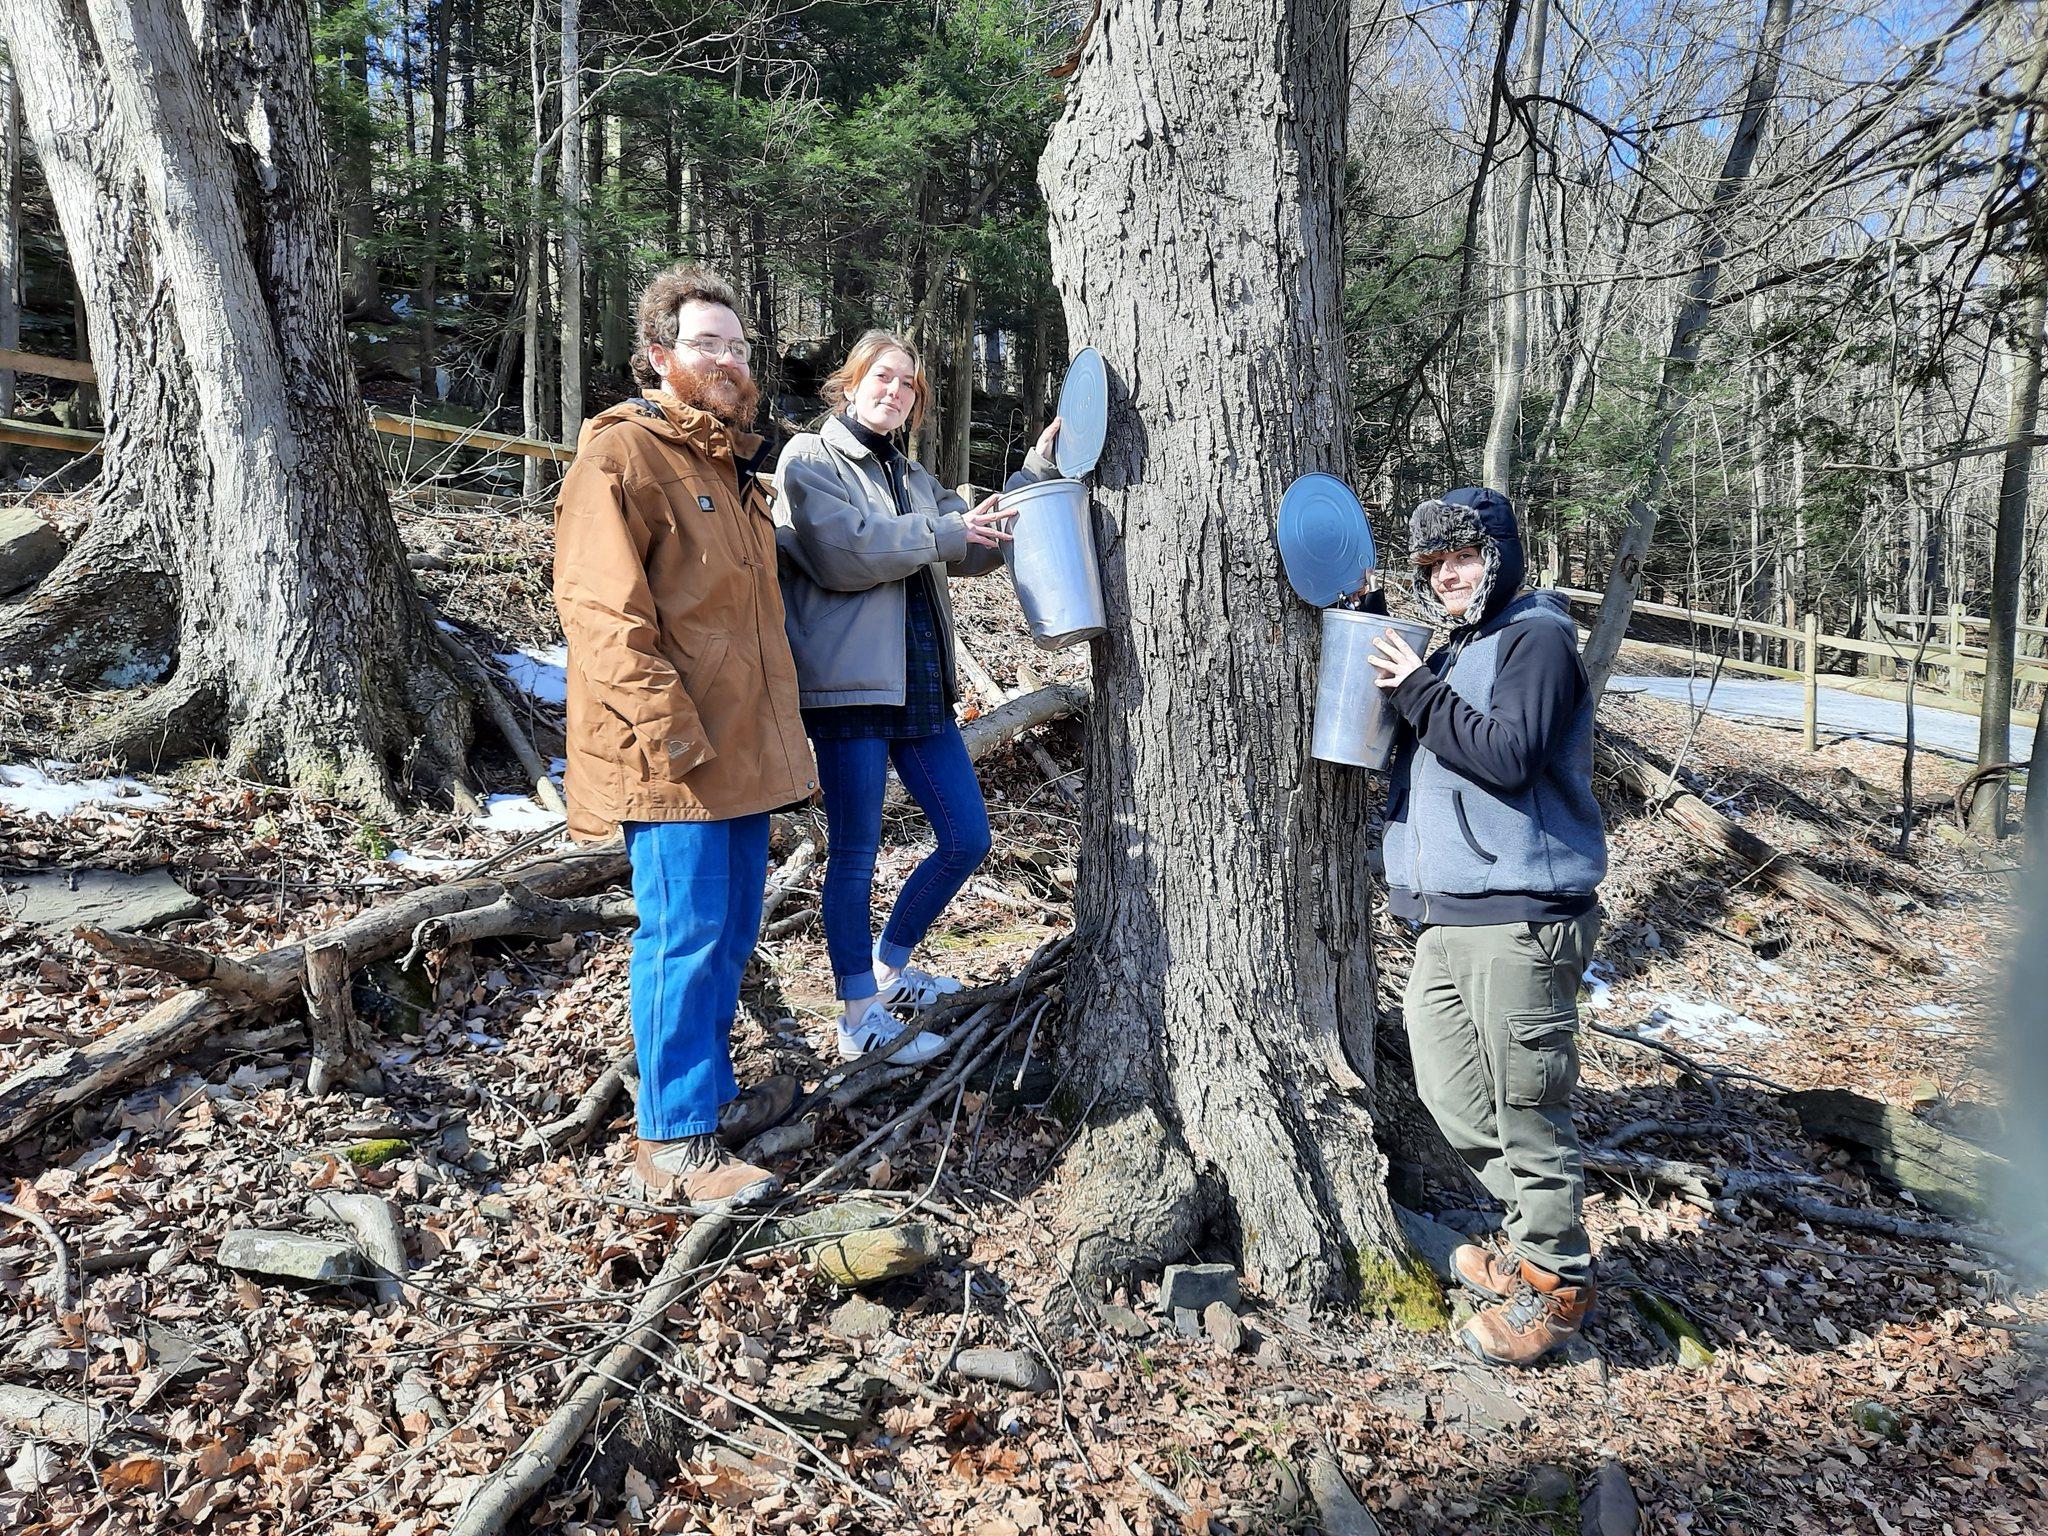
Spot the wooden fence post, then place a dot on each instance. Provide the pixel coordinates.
(1956, 687)
(1810, 665)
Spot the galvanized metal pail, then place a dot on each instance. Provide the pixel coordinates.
(1354, 719)
(1051, 557)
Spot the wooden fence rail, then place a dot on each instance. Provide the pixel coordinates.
(1957, 662)
(31, 434)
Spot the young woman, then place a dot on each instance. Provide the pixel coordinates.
(868, 538)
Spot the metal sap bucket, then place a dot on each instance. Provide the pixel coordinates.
(1051, 557)
(1354, 719)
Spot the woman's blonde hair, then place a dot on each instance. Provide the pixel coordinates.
(865, 354)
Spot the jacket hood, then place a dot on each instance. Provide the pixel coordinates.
(1468, 518)
(655, 411)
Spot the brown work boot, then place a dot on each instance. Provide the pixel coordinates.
(766, 1103)
(697, 1172)
(1540, 1313)
(1485, 1269)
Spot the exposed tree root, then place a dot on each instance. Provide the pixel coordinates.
(1134, 1197)
(101, 611)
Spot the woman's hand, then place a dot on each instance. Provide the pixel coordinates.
(1047, 438)
(985, 524)
(1394, 658)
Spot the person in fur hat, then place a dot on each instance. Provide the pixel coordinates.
(1494, 850)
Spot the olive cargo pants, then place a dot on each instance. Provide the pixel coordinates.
(1493, 1018)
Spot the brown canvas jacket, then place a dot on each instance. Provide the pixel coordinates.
(682, 693)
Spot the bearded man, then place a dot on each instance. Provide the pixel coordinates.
(684, 727)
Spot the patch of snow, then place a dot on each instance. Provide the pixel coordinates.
(541, 671)
(1703, 1021)
(440, 383)
(515, 813)
(445, 627)
(424, 863)
(1933, 1011)
(1935, 729)
(1599, 989)
(402, 304)
(28, 790)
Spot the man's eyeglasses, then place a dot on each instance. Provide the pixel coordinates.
(716, 348)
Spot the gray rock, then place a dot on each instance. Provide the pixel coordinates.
(1585, 1360)
(496, 1208)
(1123, 1322)
(828, 1397)
(1876, 1418)
(1196, 1285)
(105, 898)
(1431, 1239)
(1224, 1327)
(1608, 1507)
(289, 1256)
(1402, 1403)
(29, 548)
(859, 1318)
(1476, 1403)
(1188, 1321)
(1548, 1486)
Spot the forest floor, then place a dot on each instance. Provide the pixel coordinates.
(1857, 1381)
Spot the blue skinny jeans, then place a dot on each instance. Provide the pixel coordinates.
(698, 887)
(853, 774)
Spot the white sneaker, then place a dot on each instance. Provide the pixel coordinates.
(914, 989)
(876, 1027)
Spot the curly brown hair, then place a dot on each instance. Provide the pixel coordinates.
(838, 389)
(665, 294)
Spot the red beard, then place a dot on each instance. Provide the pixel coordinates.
(733, 398)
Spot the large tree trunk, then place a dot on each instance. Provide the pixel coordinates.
(242, 528)
(1675, 378)
(1223, 981)
(1511, 373)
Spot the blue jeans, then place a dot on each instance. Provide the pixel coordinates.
(698, 887)
(853, 774)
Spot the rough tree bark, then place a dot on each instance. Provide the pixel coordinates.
(241, 536)
(1223, 982)
(1675, 377)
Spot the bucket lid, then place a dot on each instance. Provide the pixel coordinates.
(1083, 413)
(1325, 543)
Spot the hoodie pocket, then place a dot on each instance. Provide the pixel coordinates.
(1465, 830)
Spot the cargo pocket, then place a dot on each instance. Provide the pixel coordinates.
(1543, 1058)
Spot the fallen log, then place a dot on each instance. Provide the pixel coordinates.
(187, 962)
(76, 1075)
(1786, 873)
(47, 1416)
(523, 913)
(491, 695)
(1941, 1170)
(374, 1225)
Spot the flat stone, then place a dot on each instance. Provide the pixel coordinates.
(289, 1256)
(1548, 1486)
(29, 549)
(1585, 1360)
(1224, 1327)
(1270, 1355)
(1123, 1322)
(828, 1397)
(1478, 1404)
(498, 1209)
(1188, 1321)
(857, 1317)
(1196, 1285)
(1608, 1507)
(105, 898)
(1402, 1403)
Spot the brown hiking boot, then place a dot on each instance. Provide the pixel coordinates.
(1540, 1313)
(1486, 1269)
(697, 1172)
(766, 1103)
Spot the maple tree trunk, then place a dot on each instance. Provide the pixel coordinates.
(241, 539)
(1222, 985)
